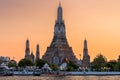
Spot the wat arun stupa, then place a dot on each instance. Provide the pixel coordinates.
(59, 48)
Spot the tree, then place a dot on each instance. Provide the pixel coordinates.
(25, 62)
(99, 62)
(54, 67)
(117, 67)
(71, 66)
(40, 63)
(12, 63)
(112, 65)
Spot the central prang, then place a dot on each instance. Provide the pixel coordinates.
(59, 48)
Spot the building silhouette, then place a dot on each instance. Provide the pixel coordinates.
(86, 57)
(59, 48)
(27, 50)
(30, 56)
(37, 52)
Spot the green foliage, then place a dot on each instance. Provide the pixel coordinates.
(99, 62)
(112, 64)
(25, 62)
(54, 67)
(71, 66)
(10, 64)
(117, 67)
(40, 63)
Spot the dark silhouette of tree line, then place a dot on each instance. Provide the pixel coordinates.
(99, 63)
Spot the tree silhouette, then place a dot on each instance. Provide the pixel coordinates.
(40, 63)
(99, 62)
(112, 65)
(24, 63)
(71, 66)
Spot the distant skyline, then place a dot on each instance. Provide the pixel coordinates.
(97, 21)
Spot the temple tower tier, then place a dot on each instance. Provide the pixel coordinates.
(59, 48)
(27, 50)
(37, 52)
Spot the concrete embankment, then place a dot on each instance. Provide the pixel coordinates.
(94, 73)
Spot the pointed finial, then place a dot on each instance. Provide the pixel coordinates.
(37, 43)
(60, 3)
(27, 39)
(80, 56)
(85, 40)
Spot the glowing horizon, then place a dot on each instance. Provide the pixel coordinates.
(97, 21)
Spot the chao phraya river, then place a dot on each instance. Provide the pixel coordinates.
(60, 78)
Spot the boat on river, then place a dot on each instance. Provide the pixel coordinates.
(5, 71)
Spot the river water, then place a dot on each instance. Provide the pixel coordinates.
(60, 78)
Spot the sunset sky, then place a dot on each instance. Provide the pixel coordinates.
(96, 20)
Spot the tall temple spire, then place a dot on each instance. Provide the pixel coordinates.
(59, 29)
(37, 52)
(59, 47)
(59, 13)
(27, 50)
(59, 3)
(86, 57)
(27, 43)
(32, 57)
(85, 50)
(85, 44)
